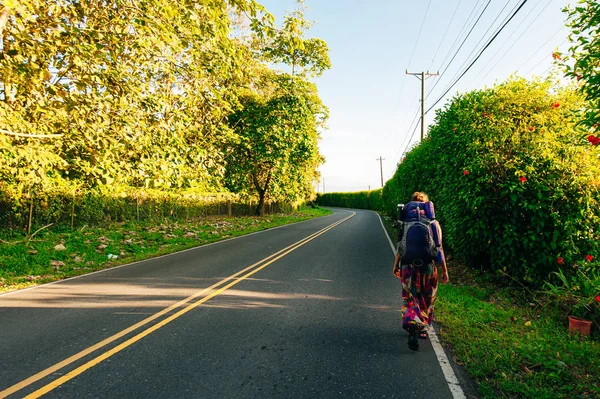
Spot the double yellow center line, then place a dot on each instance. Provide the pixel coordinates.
(204, 295)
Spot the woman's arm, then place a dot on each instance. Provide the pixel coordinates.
(442, 258)
(396, 269)
(444, 278)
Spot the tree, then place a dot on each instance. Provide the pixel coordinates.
(584, 22)
(275, 154)
(289, 45)
(138, 93)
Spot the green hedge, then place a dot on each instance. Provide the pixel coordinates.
(68, 206)
(358, 200)
(514, 180)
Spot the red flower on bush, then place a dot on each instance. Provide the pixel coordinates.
(466, 172)
(593, 139)
(531, 128)
(598, 298)
(589, 257)
(578, 77)
(522, 179)
(556, 105)
(561, 261)
(556, 56)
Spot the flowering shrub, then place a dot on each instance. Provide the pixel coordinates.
(594, 140)
(514, 189)
(514, 181)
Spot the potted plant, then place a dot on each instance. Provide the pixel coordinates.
(580, 319)
(578, 294)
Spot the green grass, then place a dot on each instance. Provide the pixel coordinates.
(512, 348)
(24, 263)
(515, 351)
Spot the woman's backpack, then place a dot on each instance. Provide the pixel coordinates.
(419, 240)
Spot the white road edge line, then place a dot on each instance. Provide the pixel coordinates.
(157, 257)
(387, 235)
(453, 384)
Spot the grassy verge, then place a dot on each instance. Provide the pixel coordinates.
(513, 349)
(55, 254)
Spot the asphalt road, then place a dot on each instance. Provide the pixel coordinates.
(319, 319)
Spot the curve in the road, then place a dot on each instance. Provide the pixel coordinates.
(205, 294)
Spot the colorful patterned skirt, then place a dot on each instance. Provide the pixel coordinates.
(419, 288)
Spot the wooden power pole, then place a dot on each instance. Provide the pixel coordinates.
(380, 159)
(422, 76)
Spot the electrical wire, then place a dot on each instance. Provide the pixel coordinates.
(461, 45)
(445, 33)
(462, 30)
(398, 153)
(419, 34)
(413, 53)
(482, 38)
(414, 122)
(479, 55)
(411, 137)
(541, 47)
(529, 25)
(542, 60)
(455, 54)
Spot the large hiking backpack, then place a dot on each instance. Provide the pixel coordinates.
(419, 240)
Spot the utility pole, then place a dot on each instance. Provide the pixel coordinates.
(422, 76)
(380, 159)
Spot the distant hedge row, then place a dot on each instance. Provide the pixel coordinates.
(514, 180)
(358, 200)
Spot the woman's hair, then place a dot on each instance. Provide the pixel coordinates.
(418, 196)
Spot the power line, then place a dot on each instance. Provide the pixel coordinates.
(542, 46)
(481, 39)
(415, 123)
(419, 34)
(414, 120)
(546, 71)
(398, 153)
(480, 53)
(529, 25)
(461, 45)
(444, 35)
(410, 139)
(463, 29)
(413, 53)
(542, 60)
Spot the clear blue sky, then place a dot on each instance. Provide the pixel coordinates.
(371, 100)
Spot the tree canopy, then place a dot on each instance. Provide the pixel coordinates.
(584, 23)
(141, 94)
(275, 150)
(289, 45)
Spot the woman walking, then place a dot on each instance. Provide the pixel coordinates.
(420, 253)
